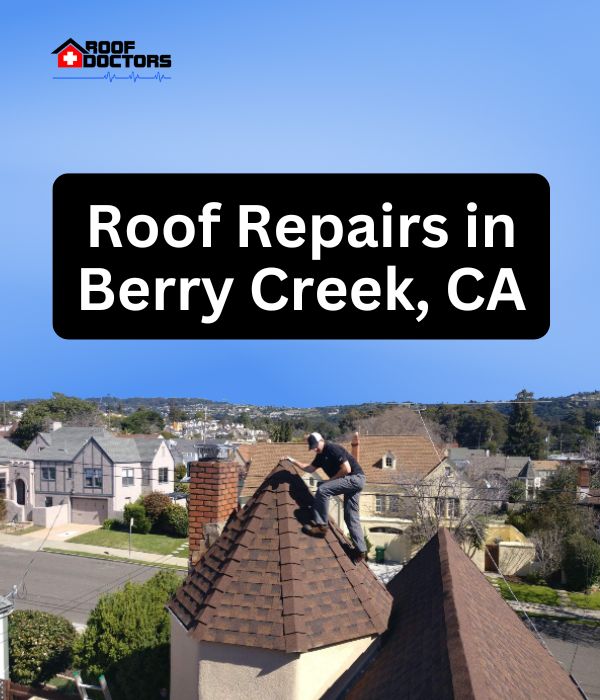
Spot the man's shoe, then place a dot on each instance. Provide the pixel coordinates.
(356, 555)
(314, 530)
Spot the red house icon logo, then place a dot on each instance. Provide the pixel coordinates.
(70, 54)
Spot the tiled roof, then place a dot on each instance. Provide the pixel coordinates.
(266, 584)
(452, 637)
(8, 450)
(415, 457)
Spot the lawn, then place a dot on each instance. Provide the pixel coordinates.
(590, 602)
(530, 594)
(155, 544)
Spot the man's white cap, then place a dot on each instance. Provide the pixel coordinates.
(313, 440)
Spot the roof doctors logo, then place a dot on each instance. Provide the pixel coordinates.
(110, 56)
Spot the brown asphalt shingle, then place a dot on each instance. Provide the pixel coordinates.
(452, 637)
(415, 457)
(266, 584)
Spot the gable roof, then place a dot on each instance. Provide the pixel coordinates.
(415, 458)
(528, 472)
(71, 42)
(147, 447)
(8, 450)
(266, 584)
(452, 637)
(64, 443)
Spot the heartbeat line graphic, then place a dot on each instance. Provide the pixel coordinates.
(133, 76)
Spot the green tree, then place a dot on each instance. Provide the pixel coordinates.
(40, 645)
(524, 437)
(176, 414)
(69, 410)
(127, 639)
(581, 562)
(144, 420)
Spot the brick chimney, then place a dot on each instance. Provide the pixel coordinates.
(355, 444)
(583, 481)
(213, 496)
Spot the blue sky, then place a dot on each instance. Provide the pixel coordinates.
(305, 87)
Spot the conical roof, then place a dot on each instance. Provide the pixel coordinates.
(264, 583)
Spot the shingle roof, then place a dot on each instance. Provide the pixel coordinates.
(452, 637)
(64, 443)
(528, 472)
(147, 447)
(415, 457)
(8, 450)
(266, 584)
(120, 450)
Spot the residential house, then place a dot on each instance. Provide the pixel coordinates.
(268, 612)
(96, 474)
(16, 480)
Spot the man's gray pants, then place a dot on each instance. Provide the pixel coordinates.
(350, 487)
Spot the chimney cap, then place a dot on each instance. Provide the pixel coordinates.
(213, 451)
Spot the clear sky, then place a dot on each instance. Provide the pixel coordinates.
(305, 87)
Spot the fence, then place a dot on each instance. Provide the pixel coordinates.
(9, 690)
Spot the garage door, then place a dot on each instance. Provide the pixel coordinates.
(89, 511)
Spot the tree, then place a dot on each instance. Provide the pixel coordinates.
(155, 504)
(144, 420)
(523, 434)
(281, 432)
(581, 562)
(69, 410)
(40, 645)
(176, 414)
(127, 639)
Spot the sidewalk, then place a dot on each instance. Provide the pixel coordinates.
(55, 539)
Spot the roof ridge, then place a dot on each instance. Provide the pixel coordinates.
(462, 682)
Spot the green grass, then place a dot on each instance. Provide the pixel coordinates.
(155, 544)
(589, 602)
(110, 557)
(529, 594)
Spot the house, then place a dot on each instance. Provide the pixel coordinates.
(16, 480)
(70, 54)
(268, 612)
(94, 473)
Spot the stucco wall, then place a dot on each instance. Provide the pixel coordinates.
(209, 671)
(124, 494)
(52, 516)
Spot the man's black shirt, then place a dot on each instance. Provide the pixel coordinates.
(332, 458)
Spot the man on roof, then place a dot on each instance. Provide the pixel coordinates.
(346, 478)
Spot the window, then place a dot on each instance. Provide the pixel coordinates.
(2, 485)
(389, 461)
(387, 504)
(163, 475)
(453, 507)
(49, 473)
(128, 476)
(447, 507)
(145, 476)
(92, 478)
(48, 502)
(69, 472)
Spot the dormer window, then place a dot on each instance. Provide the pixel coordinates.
(388, 460)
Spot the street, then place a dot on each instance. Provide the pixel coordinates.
(64, 585)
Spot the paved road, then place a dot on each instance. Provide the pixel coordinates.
(64, 585)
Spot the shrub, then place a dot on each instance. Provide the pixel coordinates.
(155, 504)
(112, 524)
(127, 639)
(2, 509)
(180, 471)
(174, 521)
(141, 522)
(39, 645)
(581, 562)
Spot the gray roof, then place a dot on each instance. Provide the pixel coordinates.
(528, 471)
(8, 450)
(476, 466)
(64, 443)
(147, 447)
(181, 448)
(119, 449)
